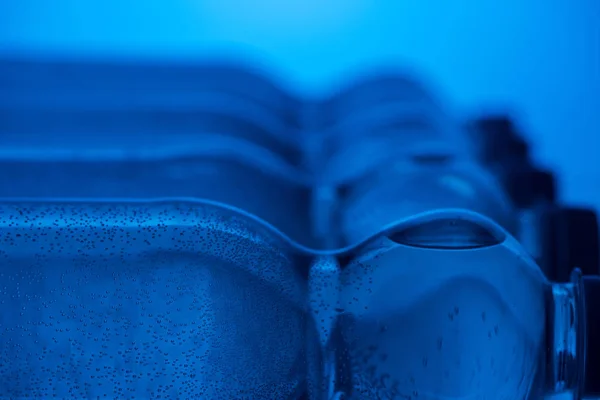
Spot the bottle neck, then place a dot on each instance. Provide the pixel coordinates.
(565, 358)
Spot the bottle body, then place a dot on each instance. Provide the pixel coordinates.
(425, 315)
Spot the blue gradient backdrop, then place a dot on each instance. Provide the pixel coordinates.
(540, 58)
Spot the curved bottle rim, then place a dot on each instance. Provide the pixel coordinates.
(386, 270)
(245, 241)
(469, 188)
(444, 214)
(279, 237)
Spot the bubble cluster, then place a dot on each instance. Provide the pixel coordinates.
(459, 341)
(117, 301)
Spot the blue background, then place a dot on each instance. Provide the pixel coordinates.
(540, 58)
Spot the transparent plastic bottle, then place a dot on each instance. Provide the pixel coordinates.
(142, 254)
(96, 104)
(145, 299)
(382, 119)
(420, 184)
(447, 305)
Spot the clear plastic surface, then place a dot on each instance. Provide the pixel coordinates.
(147, 300)
(448, 305)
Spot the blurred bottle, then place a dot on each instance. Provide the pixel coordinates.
(383, 119)
(135, 104)
(395, 152)
(560, 237)
(440, 300)
(407, 188)
(216, 133)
